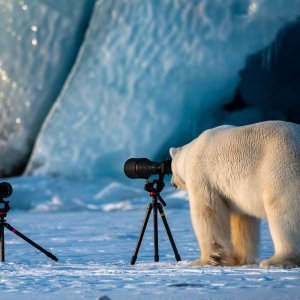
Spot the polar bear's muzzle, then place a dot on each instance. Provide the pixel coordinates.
(174, 185)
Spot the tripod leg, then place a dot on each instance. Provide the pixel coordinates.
(2, 240)
(162, 214)
(25, 238)
(156, 256)
(137, 247)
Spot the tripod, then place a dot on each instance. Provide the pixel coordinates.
(6, 191)
(154, 187)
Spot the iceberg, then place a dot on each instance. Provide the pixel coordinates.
(150, 75)
(39, 42)
(269, 81)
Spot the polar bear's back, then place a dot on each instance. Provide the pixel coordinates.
(249, 161)
(265, 140)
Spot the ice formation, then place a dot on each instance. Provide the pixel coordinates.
(39, 41)
(270, 78)
(149, 75)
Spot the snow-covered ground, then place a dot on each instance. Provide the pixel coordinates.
(94, 248)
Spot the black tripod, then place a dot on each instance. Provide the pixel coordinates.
(154, 187)
(6, 191)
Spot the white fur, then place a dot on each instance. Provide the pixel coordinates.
(235, 176)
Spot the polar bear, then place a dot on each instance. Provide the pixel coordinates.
(235, 176)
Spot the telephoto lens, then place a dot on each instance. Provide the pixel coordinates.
(144, 168)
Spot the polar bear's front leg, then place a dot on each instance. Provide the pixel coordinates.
(211, 223)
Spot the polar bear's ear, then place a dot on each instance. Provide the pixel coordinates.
(173, 151)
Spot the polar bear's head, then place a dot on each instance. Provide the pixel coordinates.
(178, 167)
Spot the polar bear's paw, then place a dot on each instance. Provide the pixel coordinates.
(219, 257)
(281, 262)
(222, 258)
(198, 263)
(216, 259)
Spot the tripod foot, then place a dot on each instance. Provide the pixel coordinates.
(50, 255)
(133, 259)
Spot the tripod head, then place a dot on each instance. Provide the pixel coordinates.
(154, 187)
(5, 191)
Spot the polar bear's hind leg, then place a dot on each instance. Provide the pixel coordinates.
(245, 238)
(284, 223)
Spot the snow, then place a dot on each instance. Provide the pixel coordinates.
(94, 247)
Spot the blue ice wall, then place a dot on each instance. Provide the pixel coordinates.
(150, 75)
(270, 79)
(39, 40)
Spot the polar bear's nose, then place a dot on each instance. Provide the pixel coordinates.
(173, 182)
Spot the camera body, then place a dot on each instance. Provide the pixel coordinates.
(144, 168)
(5, 191)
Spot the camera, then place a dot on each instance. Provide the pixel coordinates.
(144, 168)
(5, 190)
